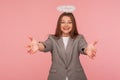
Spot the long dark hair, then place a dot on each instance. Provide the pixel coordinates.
(74, 31)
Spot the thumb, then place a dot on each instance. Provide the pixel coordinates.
(30, 38)
(95, 42)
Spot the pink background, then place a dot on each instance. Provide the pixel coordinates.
(96, 19)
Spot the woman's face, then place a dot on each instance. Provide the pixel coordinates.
(66, 25)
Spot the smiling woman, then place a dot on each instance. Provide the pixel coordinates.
(96, 20)
(66, 25)
(65, 46)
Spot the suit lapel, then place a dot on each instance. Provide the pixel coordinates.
(69, 50)
(61, 50)
(65, 54)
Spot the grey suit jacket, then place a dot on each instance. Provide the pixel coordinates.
(66, 62)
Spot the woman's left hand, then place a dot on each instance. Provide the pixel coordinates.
(90, 50)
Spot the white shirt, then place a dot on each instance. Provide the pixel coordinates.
(65, 41)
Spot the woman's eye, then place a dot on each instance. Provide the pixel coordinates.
(62, 22)
(69, 22)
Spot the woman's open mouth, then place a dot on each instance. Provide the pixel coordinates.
(66, 28)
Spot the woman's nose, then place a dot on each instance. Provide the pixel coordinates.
(66, 23)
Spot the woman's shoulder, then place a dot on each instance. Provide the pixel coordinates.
(80, 36)
(52, 36)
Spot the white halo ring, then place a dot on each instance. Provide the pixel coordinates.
(66, 8)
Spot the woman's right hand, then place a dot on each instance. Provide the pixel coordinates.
(33, 47)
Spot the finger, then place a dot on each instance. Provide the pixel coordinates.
(31, 38)
(29, 51)
(94, 50)
(28, 46)
(94, 54)
(91, 57)
(95, 42)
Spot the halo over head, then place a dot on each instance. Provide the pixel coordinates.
(66, 8)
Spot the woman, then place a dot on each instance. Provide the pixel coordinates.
(65, 46)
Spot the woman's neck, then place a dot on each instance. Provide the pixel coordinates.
(65, 35)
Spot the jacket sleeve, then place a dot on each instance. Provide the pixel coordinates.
(82, 44)
(48, 44)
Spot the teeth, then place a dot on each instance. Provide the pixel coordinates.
(66, 28)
